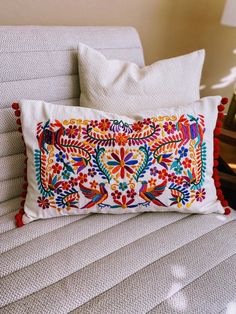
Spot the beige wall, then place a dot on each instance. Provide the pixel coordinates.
(167, 28)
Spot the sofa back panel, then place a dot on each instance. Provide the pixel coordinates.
(40, 62)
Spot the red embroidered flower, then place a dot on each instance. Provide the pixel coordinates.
(121, 139)
(104, 124)
(200, 195)
(73, 181)
(131, 193)
(137, 126)
(162, 174)
(93, 184)
(187, 163)
(93, 123)
(179, 180)
(169, 127)
(57, 168)
(72, 131)
(172, 177)
(116, 195)
(65, 185)
(147, 121)
(82, 177)
(43, 202)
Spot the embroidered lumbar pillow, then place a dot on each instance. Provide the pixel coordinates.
(124, 88)
(81, 160)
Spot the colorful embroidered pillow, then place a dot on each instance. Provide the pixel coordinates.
(123, 87)
(82, 160)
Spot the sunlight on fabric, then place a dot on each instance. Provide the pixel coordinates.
(231, 308)
(234, 51)
(202, 87)
(178, 301)
(178, 271)
(227, 80)
(221, 217)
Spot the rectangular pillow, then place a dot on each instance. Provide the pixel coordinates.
(82, 160)
(124, 88)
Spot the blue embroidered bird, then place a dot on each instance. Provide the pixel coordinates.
(96, 196)
(151, 194)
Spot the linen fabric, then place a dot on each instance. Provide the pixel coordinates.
(82, 160)
(124, 88)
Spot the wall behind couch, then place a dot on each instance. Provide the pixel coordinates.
(167, 28)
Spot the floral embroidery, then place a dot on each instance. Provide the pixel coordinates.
(159, 161)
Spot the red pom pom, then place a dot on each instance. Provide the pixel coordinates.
(216, 163)
(224, 100)
(216, 142)
(21, 211)
(19, 223)
(216, 148)
(221, 115)
(217, 131)
(221, 108)
(217, 184)
(18, 121)
(219, 124)
(215, 171)
(15, 106)
(17, 113)
(227, 211)
(23, 194)
(221, 198)
(216, 154)
(224, 203)
(18, 217)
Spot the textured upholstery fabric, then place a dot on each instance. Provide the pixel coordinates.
(157, 262)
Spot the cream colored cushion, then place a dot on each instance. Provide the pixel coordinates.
(123, 87)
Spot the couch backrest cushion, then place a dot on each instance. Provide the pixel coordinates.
(41, 63)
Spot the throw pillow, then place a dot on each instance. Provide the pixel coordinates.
(123, 87)
(82, 160)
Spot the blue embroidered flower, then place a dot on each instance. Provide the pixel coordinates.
(60, 157)
(183, 151)
(123, 186)
(65, 175)
(178, 169)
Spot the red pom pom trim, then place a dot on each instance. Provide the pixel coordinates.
(227, 211)
(18, 217)
(216, 177)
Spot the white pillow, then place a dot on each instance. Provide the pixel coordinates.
(123, 87)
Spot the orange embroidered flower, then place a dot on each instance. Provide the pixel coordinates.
(104, 124)
(152, 181)
(65, 185)
(122, 162)
(137, 126)
(82, 177)
(162, 174)
(121, 139)
(93, 184)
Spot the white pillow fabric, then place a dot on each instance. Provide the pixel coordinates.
(123, 87)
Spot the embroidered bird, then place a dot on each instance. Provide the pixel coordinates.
(151, 194)
(96, 196)
(79, 162)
